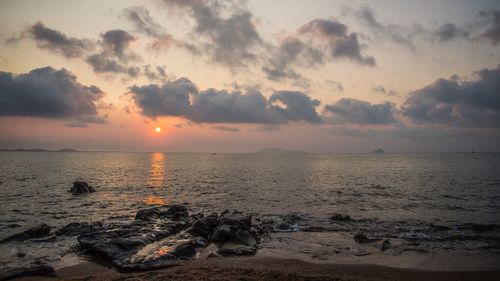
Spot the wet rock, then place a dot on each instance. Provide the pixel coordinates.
(234, 227)
(80, 187)
(232, 249)
(156, 237)
(184, 250)
(386, 245)
(76, 228)
(313, 229)
(34, 232)
(361, 238)
(174, 212)
(340, 217)
(204, 226)
(35, 270)
(198, 242)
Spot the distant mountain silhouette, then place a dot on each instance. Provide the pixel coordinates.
(277, 151)
(378, 151)
(40, 150)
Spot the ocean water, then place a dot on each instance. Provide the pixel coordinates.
(432, 207)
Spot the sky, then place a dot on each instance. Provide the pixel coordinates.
(238, 76)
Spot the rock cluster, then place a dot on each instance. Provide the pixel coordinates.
(161, 236)
(40, 230)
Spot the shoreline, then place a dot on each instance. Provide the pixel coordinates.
(263, 268)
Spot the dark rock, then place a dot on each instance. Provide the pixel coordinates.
(20, 254)
(313, 229)
(35, 270)
(184, 250)
(128, 246)
(80, 187)
(361, 238)
(35, 232)
(76, 228)
(174, 212)
(198, 242)
(283, 227)
(224, 232)
(340, 217)
(204, 226)
(232, 249)
(386, 245)
(246, 238)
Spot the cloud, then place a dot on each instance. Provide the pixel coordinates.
(115, 54)
(230, 39)
(226, 129)
(142, 21)
(116, 42)
(401, 35)
(291, 51)
(493, 32)
(55, 41)
(169, 99)
(337, 86)
(474, 103)
(381, 89)
(341, 44)
(50, 93)
(353, 111)
(314, 44)
(182, 98)
(449, 32)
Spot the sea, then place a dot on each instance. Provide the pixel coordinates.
(438, 211)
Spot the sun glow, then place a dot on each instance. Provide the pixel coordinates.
(158, 130)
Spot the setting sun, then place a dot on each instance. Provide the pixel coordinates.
(158, 130)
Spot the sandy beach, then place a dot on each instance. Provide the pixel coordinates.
(257, 268)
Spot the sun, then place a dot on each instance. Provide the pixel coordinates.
(158, 130)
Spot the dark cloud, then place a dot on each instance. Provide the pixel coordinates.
(155, 74)
(341, 44)
(170, 99)
(115, 54)
(50, 93)
(458, 103)
(355, 111)
(449, 32)
(226, 129)
(381, 89)
(142, 21)
(182, 98)
(229, 39)
(139, 16)
(55, 41)
(493, 31)
(307, 49)
(116, 42)
(297, 106)
(291, 51)
(396, 33)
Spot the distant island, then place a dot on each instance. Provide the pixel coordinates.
(40, 150)
(378, 151)
(278, 151)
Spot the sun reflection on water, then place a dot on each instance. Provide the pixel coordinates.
(156, 178)
(157, 172)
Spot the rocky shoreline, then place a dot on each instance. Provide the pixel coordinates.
(158, 237)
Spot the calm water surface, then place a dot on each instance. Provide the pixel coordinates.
(445, 204)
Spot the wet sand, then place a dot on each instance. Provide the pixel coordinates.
(258, 268)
